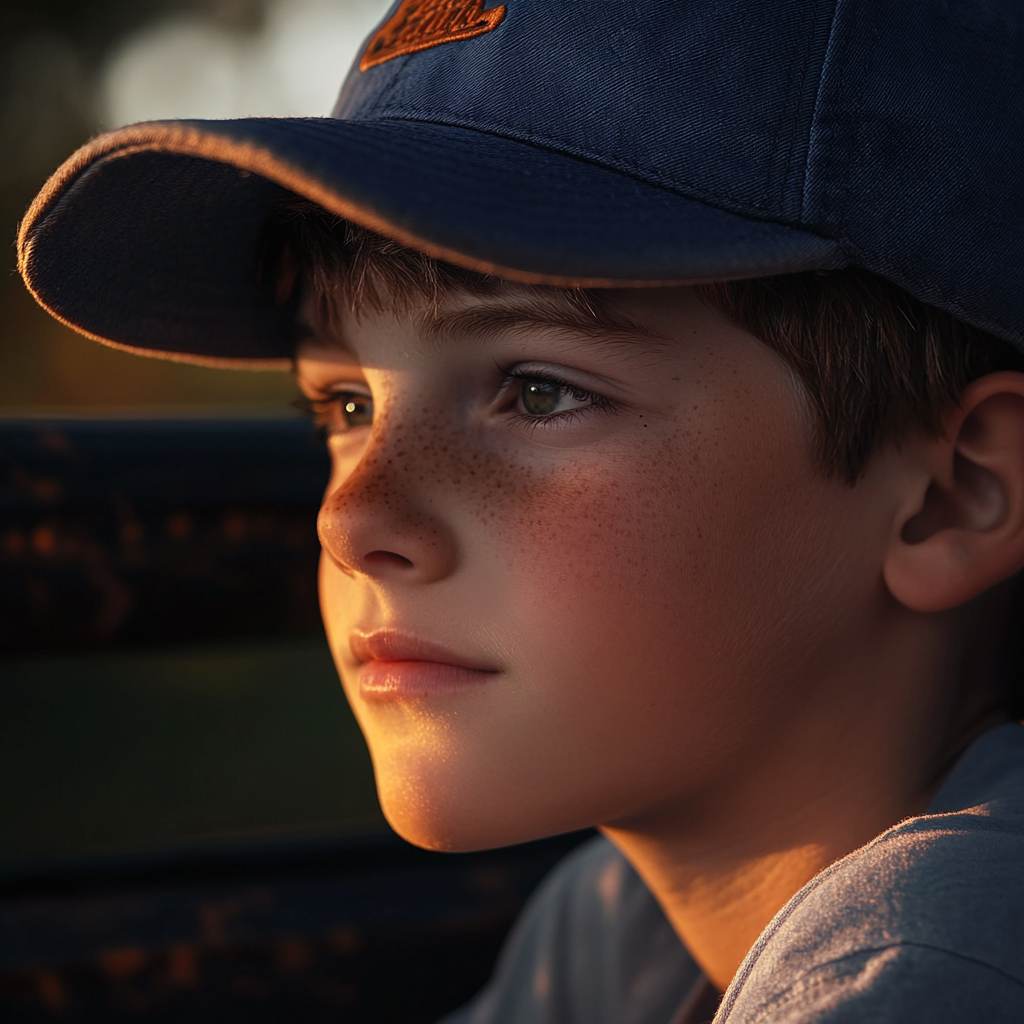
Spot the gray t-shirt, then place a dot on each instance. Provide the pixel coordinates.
(923, 924)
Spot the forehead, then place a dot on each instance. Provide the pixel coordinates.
(625, 320)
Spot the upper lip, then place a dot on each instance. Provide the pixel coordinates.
(391, 645)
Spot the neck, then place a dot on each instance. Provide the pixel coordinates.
(719, 904)
(720, 886)
(725, 863)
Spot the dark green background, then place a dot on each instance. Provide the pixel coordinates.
(134, 750)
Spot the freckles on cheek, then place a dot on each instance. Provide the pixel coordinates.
(587, 534)
(669, 552)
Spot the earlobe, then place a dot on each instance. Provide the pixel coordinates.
(961, 529)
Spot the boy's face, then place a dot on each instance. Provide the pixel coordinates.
(614, 542)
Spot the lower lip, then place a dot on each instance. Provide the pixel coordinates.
(399, 680)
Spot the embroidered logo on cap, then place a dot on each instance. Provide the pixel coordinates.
(421, 24)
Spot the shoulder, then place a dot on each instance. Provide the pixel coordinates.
(926, 923)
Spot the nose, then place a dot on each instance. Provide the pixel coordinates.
(372, 524)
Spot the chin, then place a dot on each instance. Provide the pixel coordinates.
(470, 777)
(434, 817)
(436, 811)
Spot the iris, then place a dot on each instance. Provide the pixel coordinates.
(356, 410)
(542, 397)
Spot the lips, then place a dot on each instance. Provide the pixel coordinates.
(395, 666)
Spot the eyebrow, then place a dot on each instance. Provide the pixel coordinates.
(590, 320)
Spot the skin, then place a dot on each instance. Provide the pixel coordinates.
(738, 668)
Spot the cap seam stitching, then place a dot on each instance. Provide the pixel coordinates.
(637, 172)
(814, 110)
(770, 165)
(834, 42)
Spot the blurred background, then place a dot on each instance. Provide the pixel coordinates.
(72, 68)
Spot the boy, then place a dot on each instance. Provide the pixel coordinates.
(723, 569)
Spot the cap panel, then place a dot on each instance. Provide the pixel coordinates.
(916, 153)
(666, 97)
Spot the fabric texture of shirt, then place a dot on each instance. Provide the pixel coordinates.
(923, 924)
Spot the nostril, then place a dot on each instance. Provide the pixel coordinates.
(382, 559)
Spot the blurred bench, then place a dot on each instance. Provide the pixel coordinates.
(144, 531)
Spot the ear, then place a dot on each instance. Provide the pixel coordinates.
(961, 526)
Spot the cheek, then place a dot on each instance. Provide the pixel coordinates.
(655, 599)
(680, 532)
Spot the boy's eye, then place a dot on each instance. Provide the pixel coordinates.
(339, 411)
(539, 396)
(356, 410)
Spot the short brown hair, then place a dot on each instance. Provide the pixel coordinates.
(874, 361)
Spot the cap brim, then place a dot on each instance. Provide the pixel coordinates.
(145, 239)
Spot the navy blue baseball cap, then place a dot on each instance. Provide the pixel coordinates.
(577, 142)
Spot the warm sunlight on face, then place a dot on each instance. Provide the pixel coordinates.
(574, 578)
